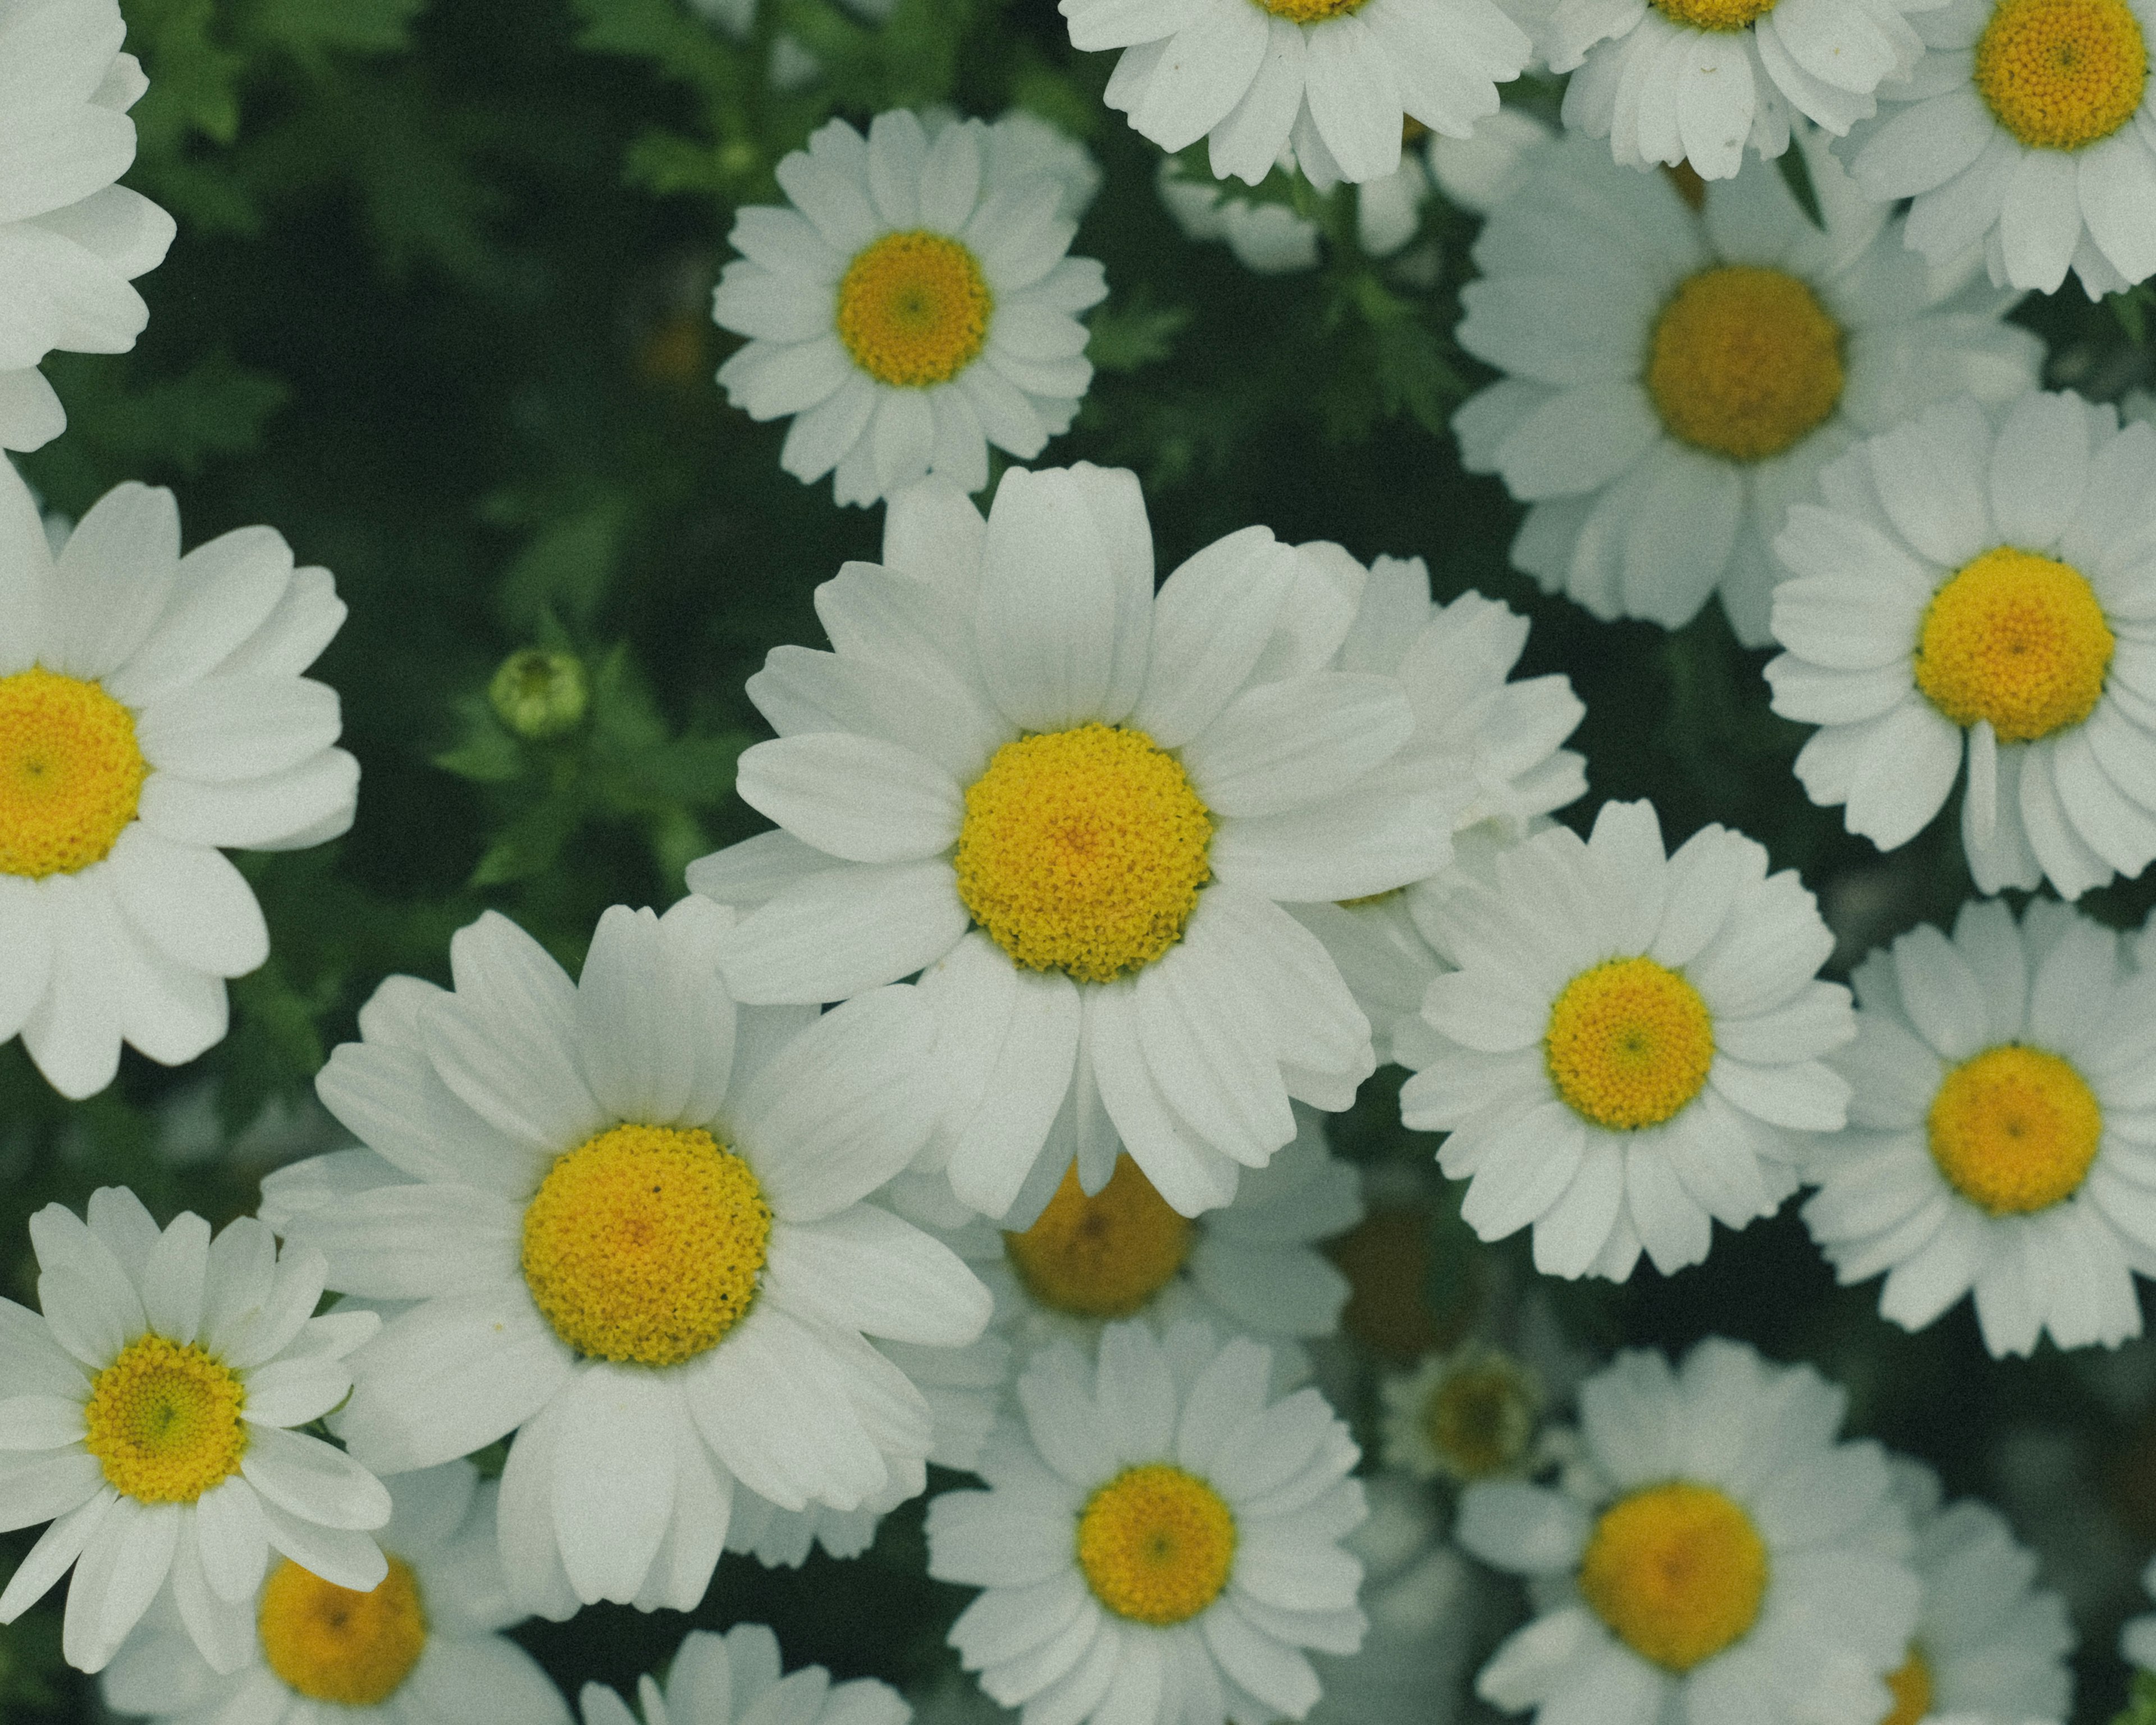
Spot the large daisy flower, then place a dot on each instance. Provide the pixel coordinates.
(1159, 1541)
(423, 1647)
(1677, 379)
(1629, 1044)
(1078, 806)
(735, 1679)
(1333, 80)
(1713, 1555)
(910, 307)
(634, 1224)
(1996, 1139)
(1990, 583)
(151, 711)
(147, 1415)
(72, 238)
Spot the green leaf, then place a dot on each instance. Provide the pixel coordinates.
(565, 568)
(485, 752)
(1133, 334)
(529, 845)
(2141, 1701)
(307, 28)
(1796, 172)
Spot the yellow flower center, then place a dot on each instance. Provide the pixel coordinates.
(1630, 1043)
(1310, 11)
(70, 773)
(2018, 640)
(330, 1644)
(2062, 73)
(163, 1419)
(1714, 14)
(1677, 1571)
(2015, 1129)
(1155, 1545)
(1083, 851)
(1102, 1257)
(913, 309)
(1745, 362)
(1481, 1419)
(645, 1245)
(1912, 1690)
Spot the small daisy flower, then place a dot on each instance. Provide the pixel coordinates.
(151, 712)
(1713, 1556)
(1331, 80)
(1467, 1416)
(423, 1647)
(1158, 1541)
(1677, 379)
(910, 308)
(717, 1680)
(147, 1417)
(634, 1223)
(74, 240)
(1077, 807)
(1976, 589)
(1994, 1141)
(1630, 1043)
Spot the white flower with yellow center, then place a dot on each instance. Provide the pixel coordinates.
(1714, 1555)
(910, 309)
(1630, 1044)
(1677, 379)
(2029, 129)
(634, 1224)
(1983, 588)
(151, 711)
(423, 1647)
(1331, 80)
(1996, 1137)
(1077, 807)
(735, 1679)
(1159, 1540)
(1469, 1414)
(145, 1415)
(73, 240)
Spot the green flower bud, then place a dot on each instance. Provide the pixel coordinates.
(540, 696)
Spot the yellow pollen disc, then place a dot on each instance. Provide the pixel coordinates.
(70, 773)
(1677, 1571)
(1629, 1044)
(1744, 363)
(645, 1245)
(1912, 1690)
(1714, 14)
(331, 1644)
(1155, 1545)
(1310, 11)
(1102, 1257)
(2015, 1129)
(2062, 73)
(163, 1419)
(1480, 1420)
(2018, 640)
(913, 309)
(1083, 851)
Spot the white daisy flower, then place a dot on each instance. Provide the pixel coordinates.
(73, 240)
(1996, 1140)
(1467, 1415)
(719, 1680)
(1158, 1541)
(1630, 1043)
(1676, 379)
(423, 1647)
(1478, 172)
(151, 711)
(634, 1223)
(146, 1414)
(1968, 580)
(1272, 240)
(1713, 1556)
(1331, 80)
(1077, 806)
(910, 307)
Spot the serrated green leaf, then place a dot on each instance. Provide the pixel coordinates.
(1130, 336)
(311, 26)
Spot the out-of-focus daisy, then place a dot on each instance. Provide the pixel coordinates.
(1270, 238)
(1983, 589)
(1464, 1415)
(2136, 1640)
(1996, 1139)
(1677, 379)
(718, 1680)
(1331, 80)
(151, 711)
(1158, 1541)
(1630, 1043)
(1714, 1555)
(190, 1129)
(1478, 172)
(423, 1647)
(909, 309)
(634, 1223)
(1077, 807)
(146, 1416)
